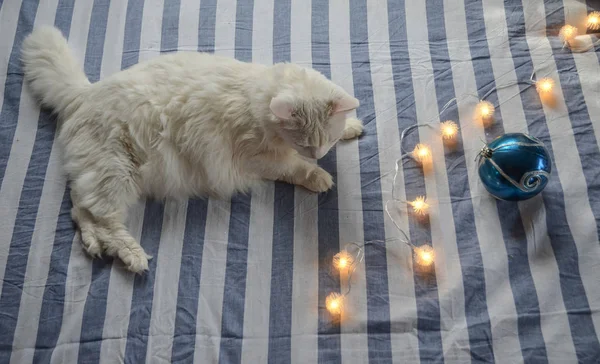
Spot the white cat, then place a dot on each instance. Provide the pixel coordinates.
(181, 125)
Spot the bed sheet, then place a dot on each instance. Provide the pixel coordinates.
(246, 280)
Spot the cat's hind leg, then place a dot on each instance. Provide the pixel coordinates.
(100, 202)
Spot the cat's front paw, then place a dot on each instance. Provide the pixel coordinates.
(319, 180)
(353, 129)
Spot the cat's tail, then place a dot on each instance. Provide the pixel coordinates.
(53, 73)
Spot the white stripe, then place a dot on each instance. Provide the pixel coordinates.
(41, 245)
(580, 218)
(20, 152)
(305, 282)
(162, 320)
(447, 264)
(214, 253)
(120, 289)
(559, 345)
(113, 43)
(168, 266)
(255, 345)
(189, 19)
(212, 280)
(403, 310)
(500, 301)
(9, 15)
(354, 347)
(80, 267)
(150, 38)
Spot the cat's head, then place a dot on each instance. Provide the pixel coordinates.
(310, 110)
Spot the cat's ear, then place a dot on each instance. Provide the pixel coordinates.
(281, 107)
(345, 104)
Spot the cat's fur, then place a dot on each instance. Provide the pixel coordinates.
(181, 125)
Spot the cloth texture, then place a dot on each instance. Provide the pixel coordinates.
(246, 280)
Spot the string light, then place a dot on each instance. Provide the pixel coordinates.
(334, 303)
(343, 260)
(449, 130)
(421, 153)
(424, 255)
(593, 20)
(485, 111)
(567, 33)
(544, 85)
(419, 206)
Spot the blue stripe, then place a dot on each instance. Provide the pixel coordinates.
(133, 29)
(282, 274)
(515, 238)
(64, 15)
(329, 342)
(282, 258)
(378, 308)
(234, 292)
(282, 36)
(51, 313)
(584, 335)
(525, 295)
(94, 310)
(206, 26)
(169, 41)
(20, 244)
(13, 86)
(243, 30)
(95, 42)
(583, 130)
(184, 336)
(426, 292)
(143, 287)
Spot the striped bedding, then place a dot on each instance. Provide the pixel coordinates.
(245, 280)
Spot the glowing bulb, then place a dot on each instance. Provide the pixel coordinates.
(485, 111)
(567, 33)
(593, 20)
(421, 153)
(424, 255)
(343, 260)
(449, 129)
(334, 303)
(544, 85)
(419, 206)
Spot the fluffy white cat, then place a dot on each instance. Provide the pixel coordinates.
(181, 125)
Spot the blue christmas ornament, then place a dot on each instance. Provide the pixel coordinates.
(514, 167)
